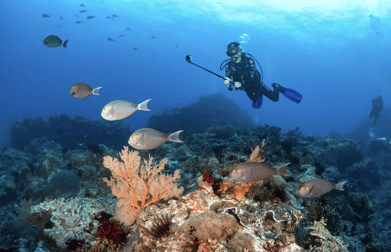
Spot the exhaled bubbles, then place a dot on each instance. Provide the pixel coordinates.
(244, 39)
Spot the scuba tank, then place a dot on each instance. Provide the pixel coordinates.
(226, 62)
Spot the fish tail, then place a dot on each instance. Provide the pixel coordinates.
(282, 170)
(339, 186)
(144, 105)
(64, 44)
(95, 91)
(174, 137)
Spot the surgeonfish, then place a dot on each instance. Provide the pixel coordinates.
(318, 187)
(147, 139)
(54, 41)
(253, 172)
(83, 90)
(120, 109)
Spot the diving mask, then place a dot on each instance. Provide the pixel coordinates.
(233, 51)
(234, 54)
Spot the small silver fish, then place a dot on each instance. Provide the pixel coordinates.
(120, 109)
(253, 172)
(110, 39)
(45, 15)
(147, 139)
(83, 90)
(54, 41)
(82, 11)
(79, 22)
(318, 187)
(91, 17)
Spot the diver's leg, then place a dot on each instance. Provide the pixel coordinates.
(374, 120)
(372, 113)
(272, 95)
(256, 98)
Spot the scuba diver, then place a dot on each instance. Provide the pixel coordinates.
(379, 144)
(241, 72)
(377, 107)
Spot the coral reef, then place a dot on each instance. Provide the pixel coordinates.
(62, 185)
(111, 231)
(138, 185)
(214, 213)
(360, 133)
(69, 132)
(198, 117)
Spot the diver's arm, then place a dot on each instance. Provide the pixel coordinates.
(228, 78)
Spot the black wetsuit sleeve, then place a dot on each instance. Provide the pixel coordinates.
(228, 74)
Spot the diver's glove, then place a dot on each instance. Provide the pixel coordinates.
(238, 84)
(227, 81)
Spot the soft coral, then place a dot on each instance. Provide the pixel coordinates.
(111, 231)
(138, 184)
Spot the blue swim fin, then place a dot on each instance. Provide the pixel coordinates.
(292, 95)
(258, 103)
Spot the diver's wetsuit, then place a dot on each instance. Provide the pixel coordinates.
(378, 144)
(246, 73)
(377, 107)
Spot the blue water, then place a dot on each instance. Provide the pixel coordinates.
(327, 51)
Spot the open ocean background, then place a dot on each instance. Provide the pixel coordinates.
(336, 53)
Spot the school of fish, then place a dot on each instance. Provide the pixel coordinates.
(147, 139)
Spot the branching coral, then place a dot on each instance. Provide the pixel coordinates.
(138, 185)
